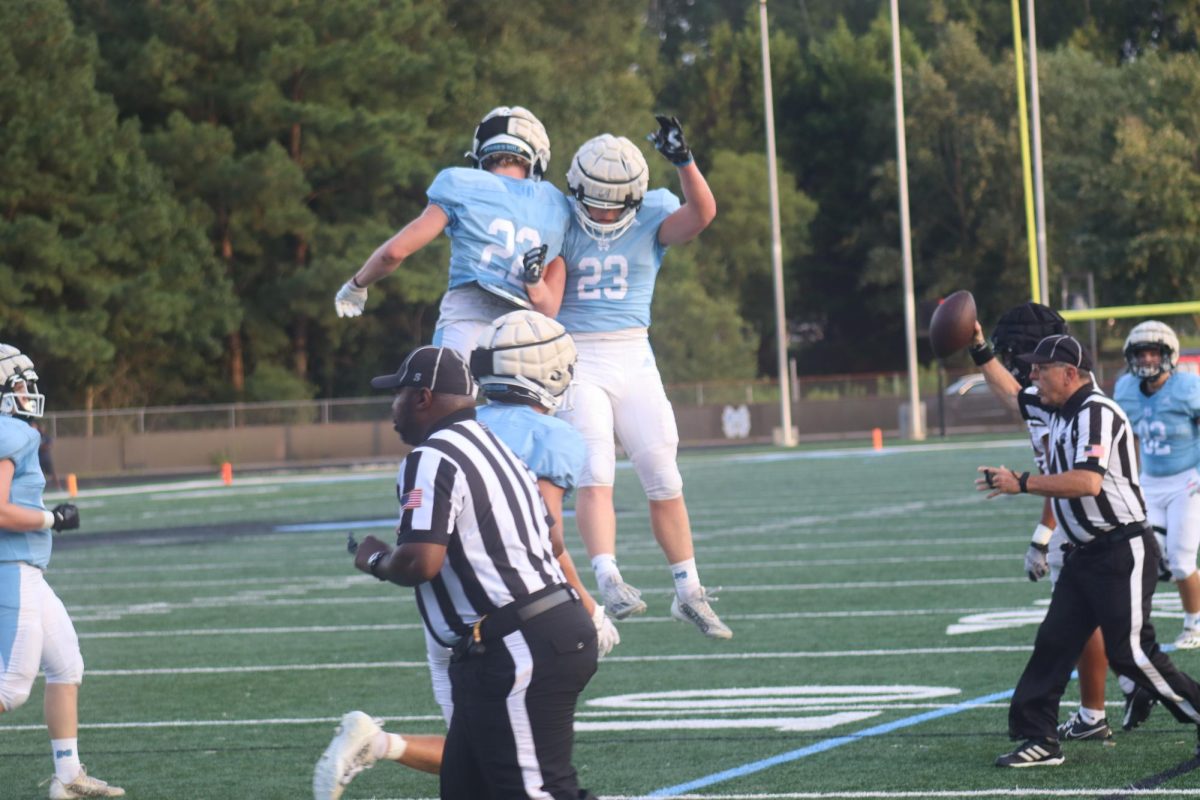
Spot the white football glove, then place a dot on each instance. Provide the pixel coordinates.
(1036, 565)
(607, 636)
(350, 300)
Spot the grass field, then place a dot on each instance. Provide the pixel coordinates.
(880, 611)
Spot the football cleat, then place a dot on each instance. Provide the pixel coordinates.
(84, 785)
(1076, 728)
(1138, 705)
(348, 754)
(1189, 639)
(1034, 753)
(620, 599)
(698, 612)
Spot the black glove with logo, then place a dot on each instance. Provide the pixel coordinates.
(534, 264)
(66, 517)
(669, 141)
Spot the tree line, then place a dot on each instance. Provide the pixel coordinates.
(186, 185)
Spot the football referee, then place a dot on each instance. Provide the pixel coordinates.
(473, 539)
(1108, 579)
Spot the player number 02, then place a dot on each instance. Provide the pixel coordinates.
(615, 266)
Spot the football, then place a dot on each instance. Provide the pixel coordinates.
(953, 324)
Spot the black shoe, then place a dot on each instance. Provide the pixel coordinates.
(1034, 753)
(1138, 704)
(1076, 728)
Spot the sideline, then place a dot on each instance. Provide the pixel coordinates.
(828, 744)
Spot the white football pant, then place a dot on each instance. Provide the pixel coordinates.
(1173, 505)
(35, 631)
(617, 388)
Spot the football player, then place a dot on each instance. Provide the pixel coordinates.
(505, 224)
(1017, 332)
(35, 630)
(523, 366)
(613, 254)
(1164, 407)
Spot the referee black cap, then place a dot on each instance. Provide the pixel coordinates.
(438, 369)
(1059, 349)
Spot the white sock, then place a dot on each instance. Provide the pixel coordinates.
(1090, 715)
(1191, 621)
(388, 746)
(605, 567)
(687, 581)
(1127, 685)
(66, 759)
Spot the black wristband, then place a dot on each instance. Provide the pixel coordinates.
(373, 562)
(1045, 548)
(354, 282)
(1023, 482)
(981, 354)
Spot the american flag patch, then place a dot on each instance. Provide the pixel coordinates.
(411, 500)
(1094, 451)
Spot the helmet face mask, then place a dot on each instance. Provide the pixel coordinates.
(1151, 335)
(608, 173)
(1018, 331)
(19, 395)
(512, 132)
(525, 357)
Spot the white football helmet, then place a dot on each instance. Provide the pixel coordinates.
(1150, 334)
(608, 172)
(524, 356)
(19, 396)
(513, 131)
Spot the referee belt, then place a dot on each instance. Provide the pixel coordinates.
(1117, 535)
(505, 620)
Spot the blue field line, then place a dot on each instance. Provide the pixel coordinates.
(828, 744)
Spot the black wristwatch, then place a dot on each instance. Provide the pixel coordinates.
(373, 561)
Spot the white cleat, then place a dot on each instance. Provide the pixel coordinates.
(621, 600)
(698, 612)
(1189, 639)
(84, 785)
(348, 754)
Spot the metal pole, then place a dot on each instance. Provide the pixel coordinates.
(916, 423)
(787, 438)
(1039, 189)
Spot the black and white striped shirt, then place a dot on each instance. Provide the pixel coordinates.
(463, 488)
(1090, 432)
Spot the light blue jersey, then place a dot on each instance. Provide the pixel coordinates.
(494, 220)
(1167, 422)
(548, 445)
(610, 289)
(19, 444)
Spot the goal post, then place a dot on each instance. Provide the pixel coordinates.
(1150, 310)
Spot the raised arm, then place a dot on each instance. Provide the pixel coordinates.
(352, 297)
(699, 206)
(999, 380)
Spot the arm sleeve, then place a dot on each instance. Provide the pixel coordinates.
(431, 498)
(1096, 427)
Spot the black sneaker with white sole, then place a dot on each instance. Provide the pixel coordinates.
(1034, 753)
(1076, 728)
(1138, 705)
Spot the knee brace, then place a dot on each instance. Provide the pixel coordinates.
(658, 472)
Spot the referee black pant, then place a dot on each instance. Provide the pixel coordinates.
(513, 726)
(1106, 584)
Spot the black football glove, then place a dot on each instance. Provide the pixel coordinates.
(66, 517)
(533, 264)
(669, 141)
